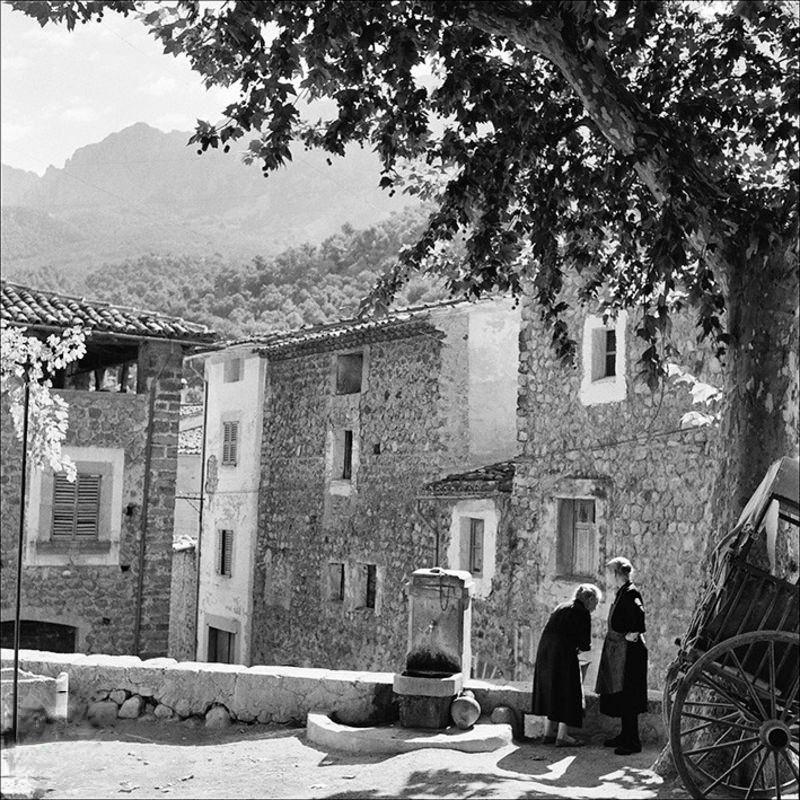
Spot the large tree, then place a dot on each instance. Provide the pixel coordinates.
(648, 147)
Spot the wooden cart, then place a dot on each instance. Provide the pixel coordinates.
(731, 696)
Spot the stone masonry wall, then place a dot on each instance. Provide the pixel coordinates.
(302, 527)
(100, 600)
(649, 478)
(183, 604)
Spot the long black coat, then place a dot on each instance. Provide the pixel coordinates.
(627, 616)
(557, 692)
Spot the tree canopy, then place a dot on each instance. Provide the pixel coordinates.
(647, 147)
(641, 144)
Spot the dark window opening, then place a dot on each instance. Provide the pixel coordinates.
(76, 507)
(611, 354)
(35, 635)
(347, 460)
(220, 646)
(104, 368)
(372, 585)
(336, 582)
(348, 373)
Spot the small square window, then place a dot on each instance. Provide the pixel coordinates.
(232, 370)
(348, 373)
(336, 582)
(230, 443)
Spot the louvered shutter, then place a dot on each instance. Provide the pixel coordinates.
(564, 555)
(227, 555)
(234, 442)
(87, 510)
(230, 442)
(64, 494)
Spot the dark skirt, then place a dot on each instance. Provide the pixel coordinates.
(557, 691)
(633, 697)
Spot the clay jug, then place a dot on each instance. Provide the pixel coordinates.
(465, 710)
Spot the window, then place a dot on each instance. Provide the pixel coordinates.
(604, 353)
(224, 552)
(576, 537)
(603, 359)
(348, 373)
(230, 443)
(366, 588)
(220, 645)
(232, 371)
(336, 582)
(347, 456)
(76, 507)
(476, 546)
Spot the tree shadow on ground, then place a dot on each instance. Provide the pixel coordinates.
(171, 733)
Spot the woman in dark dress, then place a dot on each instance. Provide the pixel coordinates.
(557, 692)
(622, 675)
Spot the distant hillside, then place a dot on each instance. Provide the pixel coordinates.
(141, 191)
(302, 285)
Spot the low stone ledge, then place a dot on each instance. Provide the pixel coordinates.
(483, 737)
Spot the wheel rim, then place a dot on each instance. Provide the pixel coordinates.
(734, 722)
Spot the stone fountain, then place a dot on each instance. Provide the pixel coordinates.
(439, 657)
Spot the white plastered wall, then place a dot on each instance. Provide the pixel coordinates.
(486, 510)
(605, 390)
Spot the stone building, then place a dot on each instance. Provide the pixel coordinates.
(318, 443)
(605, 468)
(101, 586)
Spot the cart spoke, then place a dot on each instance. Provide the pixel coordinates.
(772, 681)
(777, 775)
(721, 720)
(787, 708)
(712, 747)
(792, 765)
(759, 770)
(730, 769)
(703, 757)
(750, 690)
(712, 684)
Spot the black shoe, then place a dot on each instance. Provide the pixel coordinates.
(615, 742)
(628, 749)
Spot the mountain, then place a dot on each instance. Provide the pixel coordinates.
(144, 192)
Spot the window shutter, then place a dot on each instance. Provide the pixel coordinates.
(476, 545)
(564, 553)
(64, 494)
(227, 554)
(372, 585)
(234, 442)
(584, 537)
(220, 535)
(230, 442)
(87, 508)
(611, 354)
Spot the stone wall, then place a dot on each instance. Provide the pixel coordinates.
(647, 476)
(303, 526)
(107, 687)
(183, 603)
(99, 600)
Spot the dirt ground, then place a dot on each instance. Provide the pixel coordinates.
(147, 760)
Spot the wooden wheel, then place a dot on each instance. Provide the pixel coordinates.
(734, 722)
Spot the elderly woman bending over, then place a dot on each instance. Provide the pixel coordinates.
(557, 692)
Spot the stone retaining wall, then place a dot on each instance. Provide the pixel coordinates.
(105, 687)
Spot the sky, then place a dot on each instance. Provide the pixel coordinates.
(60, 91)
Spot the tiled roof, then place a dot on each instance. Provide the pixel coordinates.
(396, 324)
(484, 480)
(34, 308)
(190, 441)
